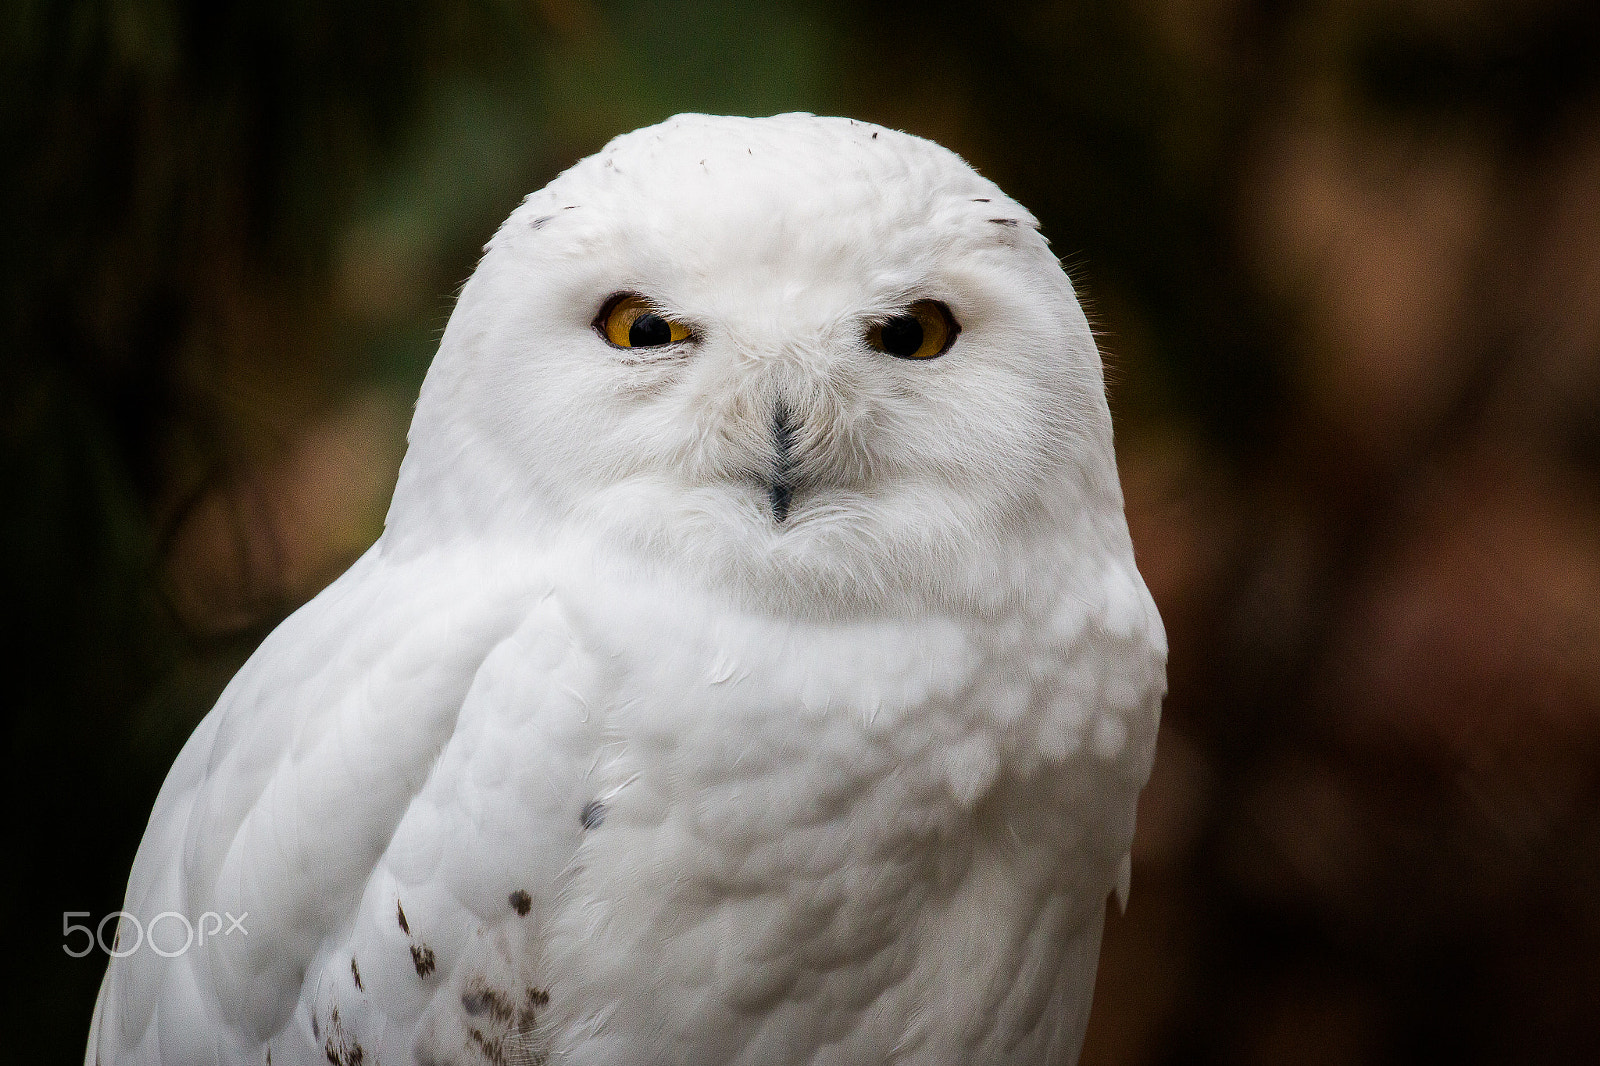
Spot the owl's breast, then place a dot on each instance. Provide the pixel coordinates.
(800, 837)
(667, 830)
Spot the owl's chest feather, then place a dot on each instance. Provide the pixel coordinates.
(735, 838)
(782, 820)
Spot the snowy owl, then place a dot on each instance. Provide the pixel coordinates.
(753, 668)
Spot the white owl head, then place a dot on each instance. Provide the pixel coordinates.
(819, 364)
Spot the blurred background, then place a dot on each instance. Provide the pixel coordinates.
(1344, 258)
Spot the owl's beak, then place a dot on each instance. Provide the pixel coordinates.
(780, 486)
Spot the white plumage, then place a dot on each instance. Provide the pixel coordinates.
(751, 697)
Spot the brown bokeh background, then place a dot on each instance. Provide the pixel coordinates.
(1345, 262)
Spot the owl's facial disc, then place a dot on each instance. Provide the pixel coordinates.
(811, 360)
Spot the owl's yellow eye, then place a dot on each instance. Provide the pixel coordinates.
(925, 330)
(629, 321)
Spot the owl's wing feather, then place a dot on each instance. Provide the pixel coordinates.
(287, 795)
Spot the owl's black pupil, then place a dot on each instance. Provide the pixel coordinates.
(649, 330)
(901, 336)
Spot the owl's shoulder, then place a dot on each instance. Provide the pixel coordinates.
(293, 784)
